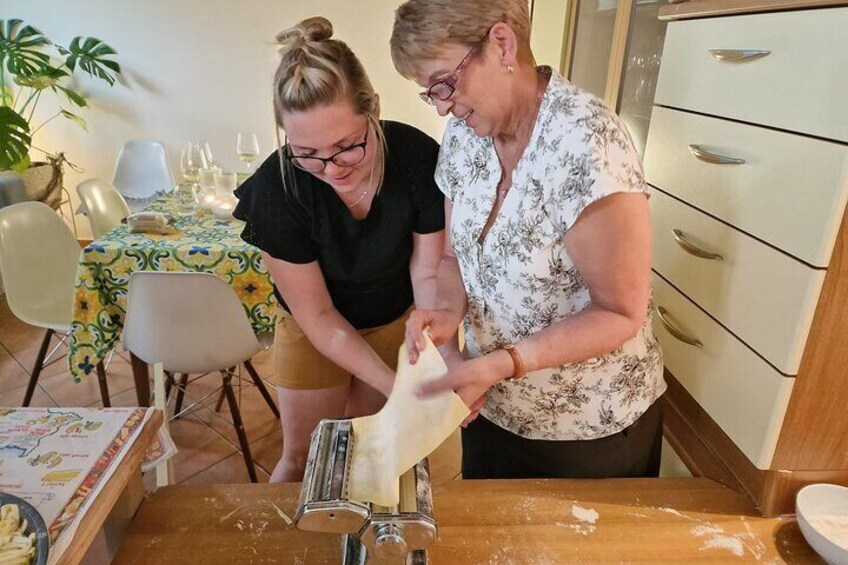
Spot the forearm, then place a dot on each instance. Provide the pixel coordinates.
(450, 295)
(333, 336)
(424, 291)
(590, 333)
(450, 292)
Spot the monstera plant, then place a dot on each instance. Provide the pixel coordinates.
(31, 65)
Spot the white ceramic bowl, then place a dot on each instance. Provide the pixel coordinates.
(814, 501)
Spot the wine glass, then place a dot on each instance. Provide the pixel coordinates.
(192, 160)
(207, 152)
(247, 148)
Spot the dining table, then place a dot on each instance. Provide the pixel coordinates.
(199, 241)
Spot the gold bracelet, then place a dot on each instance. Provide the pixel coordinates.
(517, 363)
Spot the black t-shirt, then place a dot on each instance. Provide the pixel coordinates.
(365, 262)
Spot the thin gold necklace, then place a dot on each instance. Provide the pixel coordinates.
(360, 199)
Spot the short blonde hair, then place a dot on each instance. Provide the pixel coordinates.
(316, 70)
(423, 27)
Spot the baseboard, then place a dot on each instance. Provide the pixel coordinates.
(704, 447)
(708, 452)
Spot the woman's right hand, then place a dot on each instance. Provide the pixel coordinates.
(442, 325)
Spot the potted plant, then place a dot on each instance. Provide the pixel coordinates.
(30, 66)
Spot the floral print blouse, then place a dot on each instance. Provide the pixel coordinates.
(520, 279)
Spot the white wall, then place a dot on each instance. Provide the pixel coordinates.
(548, 35)
(199, 70)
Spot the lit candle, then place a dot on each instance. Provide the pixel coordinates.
(208, 200)
(223, 208)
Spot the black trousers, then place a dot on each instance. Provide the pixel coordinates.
(491, 452)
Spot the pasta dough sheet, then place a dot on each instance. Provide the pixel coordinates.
(407, 429)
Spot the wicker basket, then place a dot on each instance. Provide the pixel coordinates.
(43, 180)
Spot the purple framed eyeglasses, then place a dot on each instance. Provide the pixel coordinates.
(444, 89)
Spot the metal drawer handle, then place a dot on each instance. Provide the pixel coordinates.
(674, 330)
(713, 158)
(738, 55)
(693, 249)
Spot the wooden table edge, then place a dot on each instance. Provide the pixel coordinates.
(93, 520)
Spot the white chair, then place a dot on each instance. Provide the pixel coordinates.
(38, 258)
(142, 173)
(105, 205)
(12, 189)
(193, 323)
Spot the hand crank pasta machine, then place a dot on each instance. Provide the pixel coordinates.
(370, 533)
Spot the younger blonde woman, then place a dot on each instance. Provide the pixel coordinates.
(351, 227)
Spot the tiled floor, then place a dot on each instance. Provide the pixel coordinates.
(208, 448)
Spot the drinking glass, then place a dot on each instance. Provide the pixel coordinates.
(192, 160)
(186, 198)
(207, 152)
(207, 178)
(247, 148)
(225, 183)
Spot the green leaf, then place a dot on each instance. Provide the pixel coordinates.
(48, 77)
(74, 97)
(7, 96)
(20, 48)
(14, 138)
(90, 57)
(75, 118)
(22, 165)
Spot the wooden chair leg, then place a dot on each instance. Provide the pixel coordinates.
(36, 369)
(183, 383)
(221, 396)
(169, 384)
(142, 380)
(261, 386)
(239, 426)
(104, 387)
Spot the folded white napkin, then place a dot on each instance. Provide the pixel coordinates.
(150, 222)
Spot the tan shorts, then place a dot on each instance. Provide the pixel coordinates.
(300, 366)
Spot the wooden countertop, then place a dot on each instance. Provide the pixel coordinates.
(706, 8)
(497, 522)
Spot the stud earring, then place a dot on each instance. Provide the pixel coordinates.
(510, 69)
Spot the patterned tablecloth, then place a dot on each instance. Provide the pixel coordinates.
(204, 243)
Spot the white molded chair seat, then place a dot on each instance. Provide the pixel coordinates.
(104, 204)
(38, 258)
(142, 173)
(192, 323)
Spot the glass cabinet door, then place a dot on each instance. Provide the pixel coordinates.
(641, 68)
(592, 45)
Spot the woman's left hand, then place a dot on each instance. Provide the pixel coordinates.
(471, 379)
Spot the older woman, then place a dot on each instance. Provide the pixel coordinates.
(548, 255)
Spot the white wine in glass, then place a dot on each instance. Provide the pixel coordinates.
(247, 148)
(192, 160)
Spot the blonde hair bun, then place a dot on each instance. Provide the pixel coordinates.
(311, 29)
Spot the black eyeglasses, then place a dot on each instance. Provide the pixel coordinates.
(346, 157)
(444, 89)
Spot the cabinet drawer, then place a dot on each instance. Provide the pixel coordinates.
(800, 85)
(763, 296)
(740, 391)
(790, 191)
